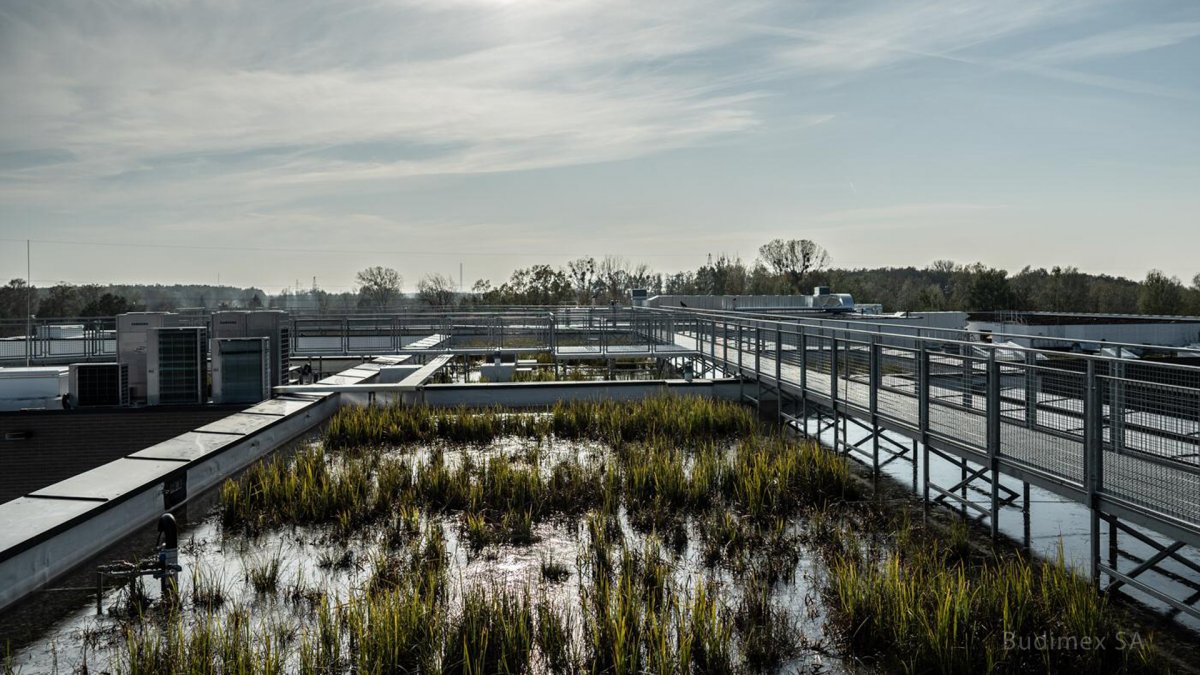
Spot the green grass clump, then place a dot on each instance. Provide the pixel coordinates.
(308, 488)
(925, 610)
(226, 643)
(491, 633)
(773, 476)
(615, 422)
(264, 575)
(208, 588)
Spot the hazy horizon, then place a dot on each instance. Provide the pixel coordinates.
(183, 142)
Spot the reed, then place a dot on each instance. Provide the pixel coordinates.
(616, 422)
(554, 638)
(767, 634)
(924, 608)
(395, 630)
(208, 588)
(226, 643)
(263, 576)
(774, 476)
(491, 634)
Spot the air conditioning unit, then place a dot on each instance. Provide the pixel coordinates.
(272, 324)
(176, 365)
(133, 335)
(99, 384)
(241, 370)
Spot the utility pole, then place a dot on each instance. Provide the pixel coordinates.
(28, 308)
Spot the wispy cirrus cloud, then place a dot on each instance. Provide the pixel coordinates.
(875, 35)
(499, 119)
(978, 33)
(1121, 42)
(303, 91)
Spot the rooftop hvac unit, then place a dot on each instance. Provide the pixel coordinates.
(241, 370)
(99, 384)
(272, 324)
(176, 361)
(133, 343)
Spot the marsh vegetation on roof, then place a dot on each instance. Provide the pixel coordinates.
(671, 535)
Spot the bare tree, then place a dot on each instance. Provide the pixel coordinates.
(793, 259)
(582, 274)
(641, 276)
(379, 286)
(613, 277)
(437, 290)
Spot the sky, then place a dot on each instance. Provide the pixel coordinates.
(268, 142)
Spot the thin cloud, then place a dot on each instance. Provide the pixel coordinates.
(905, 215)
(500, 87)
(885, 34)
(1123, 42)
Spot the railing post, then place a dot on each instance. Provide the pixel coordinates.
(712, 344)
(778, 375)
(968, 375)
(725, 343)
(833, 392)
(874, 377)
(833, 372)
(803, 347)
(758, 369)
(758, 352)
(923, 417)
(1031, 389)
(1092, 464)
(740, 348)
(1116, 403)
(993, 437)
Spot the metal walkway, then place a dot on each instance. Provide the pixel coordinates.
(1120, 437)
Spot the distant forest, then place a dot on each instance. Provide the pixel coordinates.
(782, 267)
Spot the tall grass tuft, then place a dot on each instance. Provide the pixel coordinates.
(929, 611)
(612, 421)
(491, 633)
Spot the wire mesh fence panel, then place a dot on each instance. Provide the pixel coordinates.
(365, 335)
(1158, 487)
(818, 363)
(854, 373)
(1041, 426)
(791, 361)
(898, 384)
(957, 398)
(1150, 418)
(318, 335)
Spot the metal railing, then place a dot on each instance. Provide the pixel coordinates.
(1123, 432)
(895, 330)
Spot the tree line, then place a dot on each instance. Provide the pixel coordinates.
(782, 267)
(786, 267)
